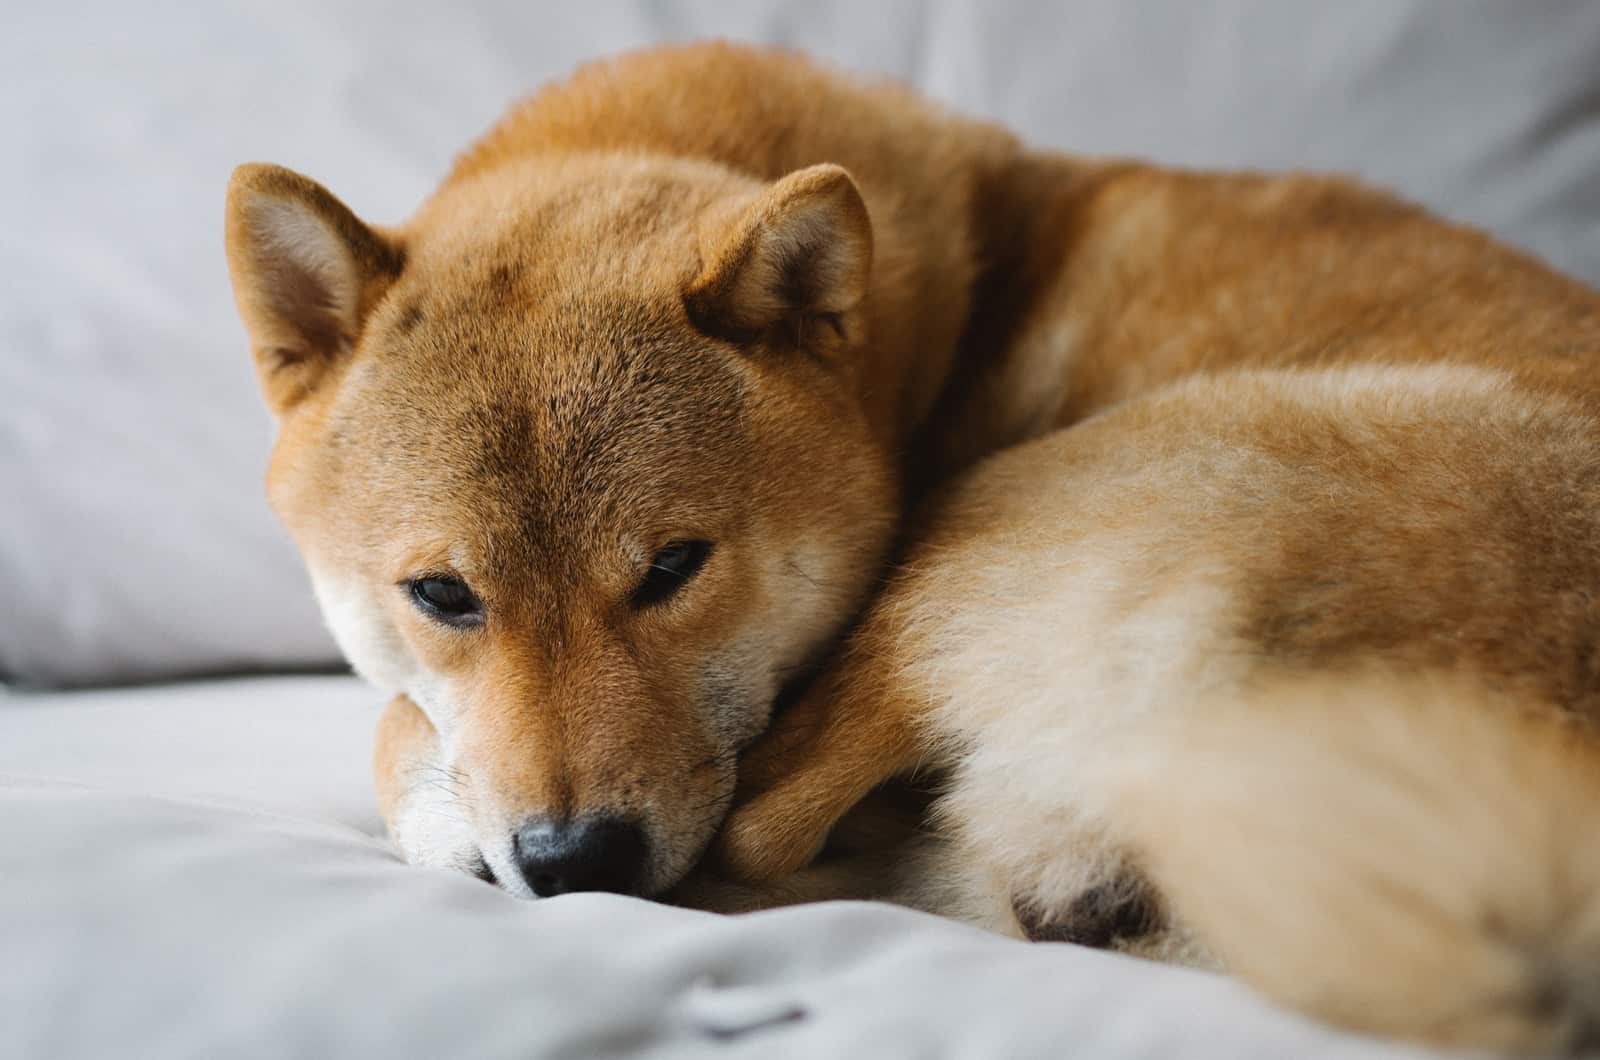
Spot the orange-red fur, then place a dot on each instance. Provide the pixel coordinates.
(720, 292)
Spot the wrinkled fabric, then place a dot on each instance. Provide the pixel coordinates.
(192, 871)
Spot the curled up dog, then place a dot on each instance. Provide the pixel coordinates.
(1228, 541)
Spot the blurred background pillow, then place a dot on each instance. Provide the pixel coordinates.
(135, 542)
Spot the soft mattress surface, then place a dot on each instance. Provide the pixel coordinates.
(196, 870)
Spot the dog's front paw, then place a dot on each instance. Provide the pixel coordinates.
(822, 757)
(775, 833)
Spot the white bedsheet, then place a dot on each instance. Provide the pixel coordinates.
(195, 871)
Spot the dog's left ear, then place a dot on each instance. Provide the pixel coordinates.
(800, 253)
(305, 273)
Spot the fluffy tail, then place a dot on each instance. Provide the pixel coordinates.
(1409, 856)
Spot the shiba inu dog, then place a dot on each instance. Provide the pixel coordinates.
(1244, 594)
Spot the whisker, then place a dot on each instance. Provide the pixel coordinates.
(792, 565)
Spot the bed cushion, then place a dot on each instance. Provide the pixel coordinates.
(136, 542)
(293, 745)
(192, 871)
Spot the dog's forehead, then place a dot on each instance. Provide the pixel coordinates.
(550, 417)
(596, 390)
(534, 369)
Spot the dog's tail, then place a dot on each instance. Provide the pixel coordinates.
(1410, 856)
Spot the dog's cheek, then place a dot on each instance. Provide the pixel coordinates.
(440, 700)
(737, 686)
(678, 834)
(363, 631)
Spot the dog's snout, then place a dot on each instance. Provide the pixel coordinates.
(588, 854)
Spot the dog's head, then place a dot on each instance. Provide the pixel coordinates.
(576, 460)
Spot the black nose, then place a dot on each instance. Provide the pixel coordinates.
(589, 854)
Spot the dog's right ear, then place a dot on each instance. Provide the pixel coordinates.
(305, 273)
(799, 252)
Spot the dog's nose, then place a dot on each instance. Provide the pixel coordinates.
(589, 854)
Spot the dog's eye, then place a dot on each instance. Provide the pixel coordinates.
(447, 599)
(670, 570)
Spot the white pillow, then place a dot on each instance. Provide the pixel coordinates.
(134, 540)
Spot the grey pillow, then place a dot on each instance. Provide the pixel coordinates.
(134, 541)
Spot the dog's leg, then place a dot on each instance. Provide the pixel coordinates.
(853, 730)
(405, 740)
(882, 850)
(426, 804)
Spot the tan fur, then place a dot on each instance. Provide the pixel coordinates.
(1410, 855)
(717, 293)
